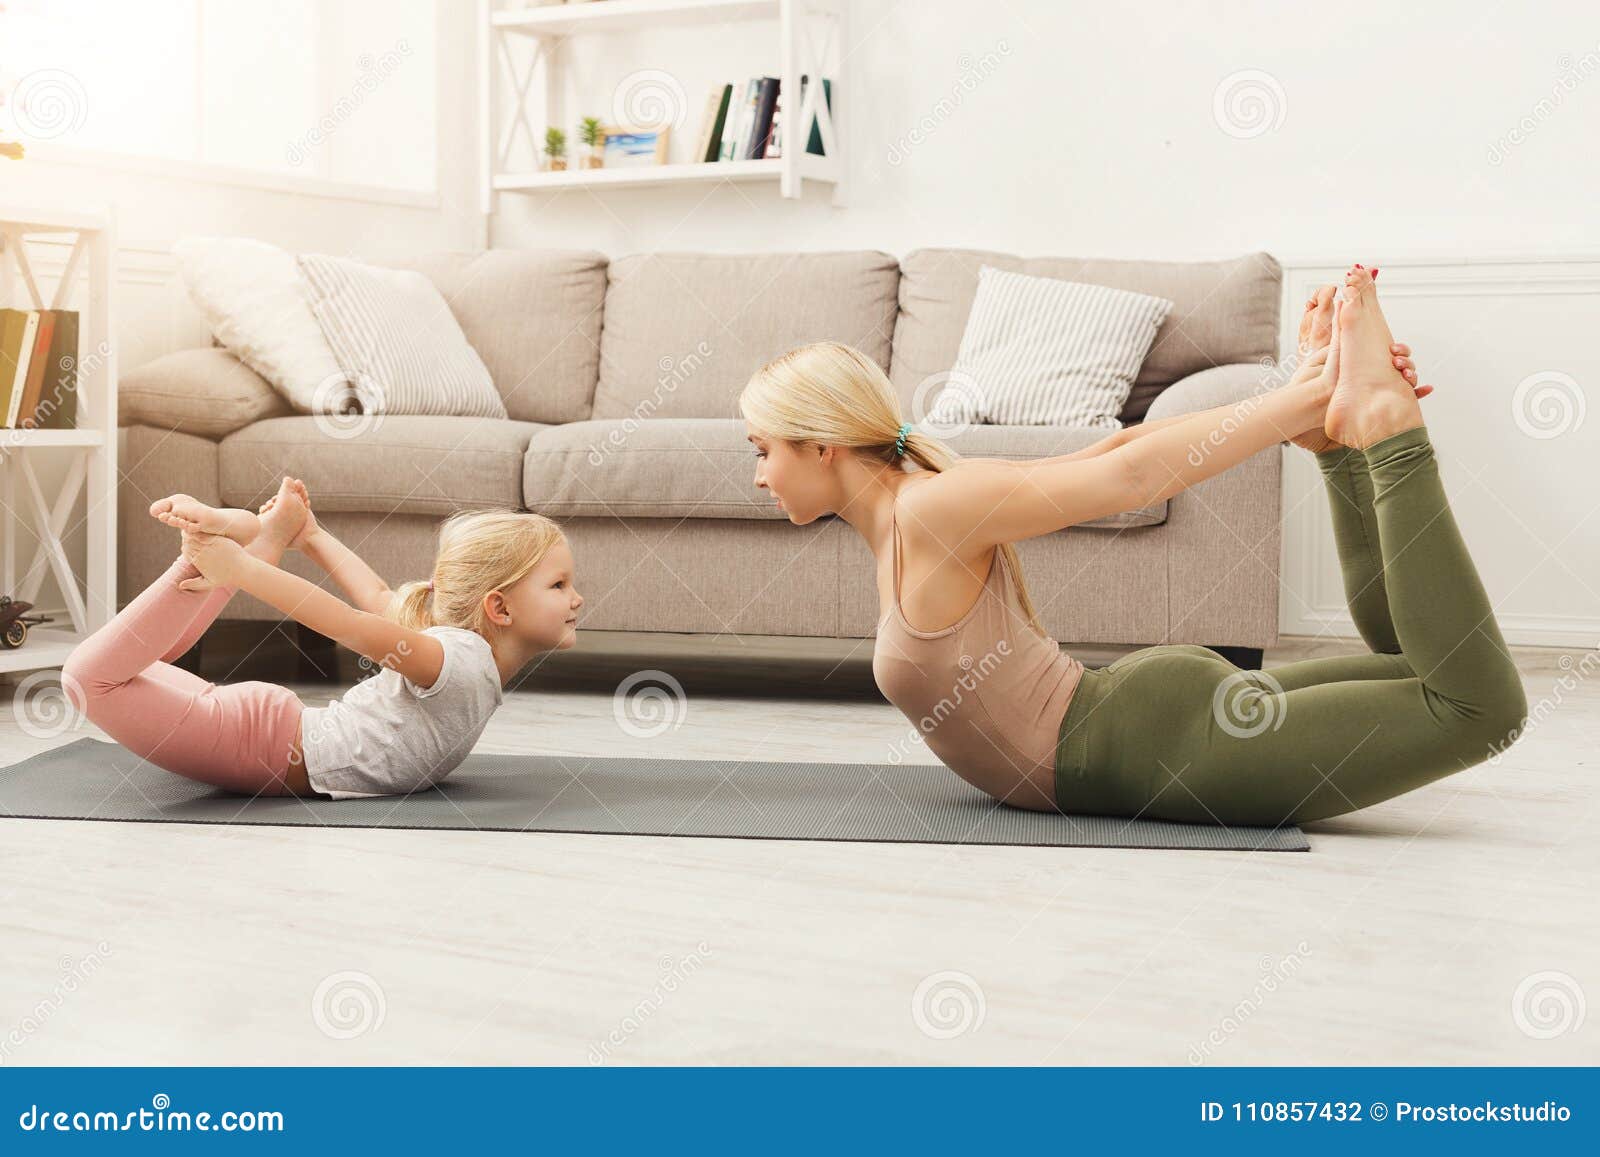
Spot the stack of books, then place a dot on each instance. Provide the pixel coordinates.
(38, 369)
(744, 126)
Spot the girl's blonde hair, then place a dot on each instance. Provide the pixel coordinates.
(479, 551)
(831, 394)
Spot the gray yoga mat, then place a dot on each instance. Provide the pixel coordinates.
(91, 779)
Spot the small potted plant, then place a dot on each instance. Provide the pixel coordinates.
(594, 141)
(555, 149)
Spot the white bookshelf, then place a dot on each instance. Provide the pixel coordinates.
(88, 236)
(810, 37)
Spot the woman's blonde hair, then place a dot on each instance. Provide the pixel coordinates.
(831, 394)
(479, 551)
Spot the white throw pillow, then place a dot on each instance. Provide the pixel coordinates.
(254, 300)
(397, 341)
(1038, 351)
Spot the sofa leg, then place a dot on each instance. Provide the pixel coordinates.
(318, 656)
(1244, 658)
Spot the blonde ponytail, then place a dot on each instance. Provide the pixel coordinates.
(831, 394)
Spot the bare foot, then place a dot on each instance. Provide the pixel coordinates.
(1372, 399)
(286, 516)
(1316, 335)
(187, 513)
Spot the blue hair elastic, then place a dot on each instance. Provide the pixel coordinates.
(900, 442)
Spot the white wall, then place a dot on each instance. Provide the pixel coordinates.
(1452, 145)
(1095, 132)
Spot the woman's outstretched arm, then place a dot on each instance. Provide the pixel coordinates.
(417, 656)
(978, 504)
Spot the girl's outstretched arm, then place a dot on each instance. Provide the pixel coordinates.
(364, 585)
(417, 656)
(979, 504)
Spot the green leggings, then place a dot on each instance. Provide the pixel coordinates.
(1177, 732)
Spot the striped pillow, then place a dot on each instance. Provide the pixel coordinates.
(1043, 352)
(398, 344)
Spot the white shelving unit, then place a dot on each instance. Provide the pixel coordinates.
(811, 36)
(93, 469)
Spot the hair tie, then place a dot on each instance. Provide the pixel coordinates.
(430, 584)
(900, 442)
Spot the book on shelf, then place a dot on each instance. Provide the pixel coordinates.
(739, 118)
(745, 122)
(38, 369)
(716, 117)
(814, 142)
(766, 100)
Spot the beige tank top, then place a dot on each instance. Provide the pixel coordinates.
(986, 694)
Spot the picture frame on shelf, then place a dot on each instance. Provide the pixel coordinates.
(626, 147)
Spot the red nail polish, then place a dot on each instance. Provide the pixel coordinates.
(1358, 265)
(1374, 273)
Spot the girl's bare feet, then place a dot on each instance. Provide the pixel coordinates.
(1372, 400)
(1316, 334)
(266, 535)
(308, 523)
(187, 513)
(284, 516)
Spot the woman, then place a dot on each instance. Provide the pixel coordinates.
(1172, 732)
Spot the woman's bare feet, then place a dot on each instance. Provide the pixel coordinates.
(1316, 334)
(1371, 400)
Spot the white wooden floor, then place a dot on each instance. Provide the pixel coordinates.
(1454, 926)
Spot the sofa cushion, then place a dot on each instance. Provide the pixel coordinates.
(684, 331)
(534, 316)
(661, 468)
(705, 468)
(206, 392)
(1223, 312)
(391, 463)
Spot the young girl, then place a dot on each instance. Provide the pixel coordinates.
(1173, 732)
(501, 593)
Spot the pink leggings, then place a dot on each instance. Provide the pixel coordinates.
(237, 736)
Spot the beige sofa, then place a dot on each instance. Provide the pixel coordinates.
(621, 380)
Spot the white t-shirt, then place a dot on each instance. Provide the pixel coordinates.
(388, 736)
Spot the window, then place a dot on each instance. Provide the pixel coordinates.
(343, 92)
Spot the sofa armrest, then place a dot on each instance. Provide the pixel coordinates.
(205, 392)
(1208, 389)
